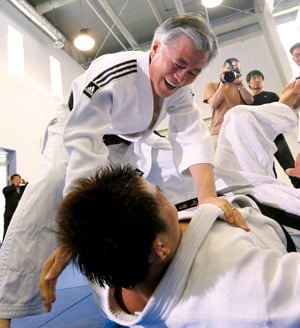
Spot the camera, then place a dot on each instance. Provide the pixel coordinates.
(230, 76)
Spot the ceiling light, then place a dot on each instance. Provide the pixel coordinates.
(84, 41)
(211, 3)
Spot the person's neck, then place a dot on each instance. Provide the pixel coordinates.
(135, 299)
(256, 91)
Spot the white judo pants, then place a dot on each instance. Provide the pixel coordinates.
(31, 234)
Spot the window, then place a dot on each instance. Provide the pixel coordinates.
(56, 83)
(15, 52)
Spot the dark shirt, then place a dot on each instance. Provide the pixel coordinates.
(265, 97)
(12, 197)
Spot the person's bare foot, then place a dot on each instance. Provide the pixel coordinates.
(290, 95)
(4, 323)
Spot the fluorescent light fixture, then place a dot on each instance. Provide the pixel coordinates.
(211, 3)
(84, 41)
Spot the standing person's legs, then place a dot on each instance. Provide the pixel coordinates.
(30, 237)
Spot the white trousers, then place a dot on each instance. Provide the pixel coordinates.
(31, 234)
(244, 155)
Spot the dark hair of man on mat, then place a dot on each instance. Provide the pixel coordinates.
(109, 222)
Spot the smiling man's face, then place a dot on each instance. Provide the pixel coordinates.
(176, 66)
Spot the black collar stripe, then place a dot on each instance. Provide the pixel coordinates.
(92, 87)
(126, 63)
(115, 72)
(117, 76)
(110, 74)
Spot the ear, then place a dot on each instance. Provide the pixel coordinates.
(155, 48)
(159, 250)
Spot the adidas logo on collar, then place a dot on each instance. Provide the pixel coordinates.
(90, 89)
(110, 74)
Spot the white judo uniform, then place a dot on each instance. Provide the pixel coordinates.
(114, 96)
(230, 278)
(245, 154)
(220, 277)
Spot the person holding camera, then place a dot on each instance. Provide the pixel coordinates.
(230, 91)
(12, 194)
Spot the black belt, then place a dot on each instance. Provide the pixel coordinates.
(187, 204)
(108, 139)
(113, 139)
(279, 215)
(282, 218)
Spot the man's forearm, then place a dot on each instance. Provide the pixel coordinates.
(245, 93)
(218, 97)
(204, 178)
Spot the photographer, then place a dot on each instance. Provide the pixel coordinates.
(12, 194)
(225, 94)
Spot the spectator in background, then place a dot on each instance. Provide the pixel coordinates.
(295, 52)
(255, 80)
(12, 194)
(225, 94)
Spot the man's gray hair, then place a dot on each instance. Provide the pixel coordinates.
(192, 25)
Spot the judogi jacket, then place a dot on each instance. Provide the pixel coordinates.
(220, 277)
(114, 96)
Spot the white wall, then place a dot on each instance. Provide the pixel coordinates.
(27, 104)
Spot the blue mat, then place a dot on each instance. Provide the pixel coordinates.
(74, 306)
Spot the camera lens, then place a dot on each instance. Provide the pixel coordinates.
(230, 76)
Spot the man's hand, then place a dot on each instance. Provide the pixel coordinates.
(231, 213)
(52, 268)
(294, 172)
(203, 175)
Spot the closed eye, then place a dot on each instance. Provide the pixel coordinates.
(194, 73)
(179, 66)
